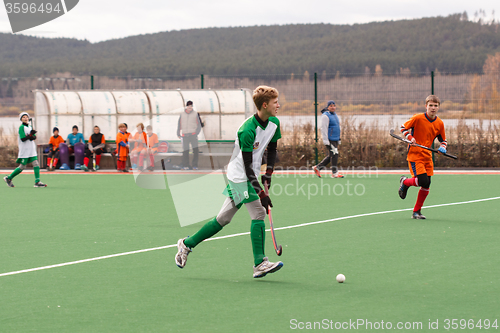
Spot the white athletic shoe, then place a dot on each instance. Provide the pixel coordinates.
(266, 267)
(182, 253)
(316, 171)
(40, 184)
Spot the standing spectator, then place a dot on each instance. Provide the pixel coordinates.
(188, 128)
(54, 142)
(138, 142)
(122, 147)
(330, 132)
(96, 145)
(27, 152)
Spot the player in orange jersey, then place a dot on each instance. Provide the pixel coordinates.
(151, 150)
(54, 141)
(138, 141)
(122, 147)
(423, 129)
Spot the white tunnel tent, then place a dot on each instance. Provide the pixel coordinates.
(222, 111)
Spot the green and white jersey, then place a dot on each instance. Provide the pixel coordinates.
(251, 137)
(27, 148)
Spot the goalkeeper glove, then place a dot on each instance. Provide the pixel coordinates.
(265, 201)
(266, 178)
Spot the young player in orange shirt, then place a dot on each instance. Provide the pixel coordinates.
(54, 141)
(151, 150)
(423, 129)
(138, 141)
(122, 147)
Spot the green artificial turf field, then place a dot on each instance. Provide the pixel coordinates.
(398, 270)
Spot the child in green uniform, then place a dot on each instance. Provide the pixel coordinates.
(255, 134)
(27, 152)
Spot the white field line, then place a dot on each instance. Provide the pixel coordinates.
(64, 6)
(239, 234)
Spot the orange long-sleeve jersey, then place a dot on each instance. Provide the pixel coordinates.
(140, 140)
(55, 142)
(153, 142)
(425, 131)
(122, 151)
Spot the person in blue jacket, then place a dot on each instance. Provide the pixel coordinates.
(73, 139)
(330, 133)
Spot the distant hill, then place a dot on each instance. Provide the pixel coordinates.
(447, 43)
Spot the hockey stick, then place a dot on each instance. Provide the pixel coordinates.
(52, 161)
(93, 161)
(417, 145)
(277, 248)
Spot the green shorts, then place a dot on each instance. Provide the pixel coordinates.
(26, 160)
(240, 192)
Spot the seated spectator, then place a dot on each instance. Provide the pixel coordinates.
(151, 151)
(54, 143)
(95, 147)
(138, 141)
(73, 139)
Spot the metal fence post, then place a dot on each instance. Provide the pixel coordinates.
(432, 83)
(432, 93)
(316, 117)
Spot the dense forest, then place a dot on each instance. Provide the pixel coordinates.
(449, 44)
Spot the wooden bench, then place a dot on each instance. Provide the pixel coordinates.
(214, 150)
(42, 155)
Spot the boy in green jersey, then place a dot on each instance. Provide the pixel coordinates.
(260, 131)
(27, 152)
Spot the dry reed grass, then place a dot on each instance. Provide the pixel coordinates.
(368, 146)
(362, 146)
(8, 150)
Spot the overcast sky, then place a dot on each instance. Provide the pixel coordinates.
(98, 20)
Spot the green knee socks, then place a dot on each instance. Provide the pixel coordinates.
(37, 174)
(257, 234)
(258, 237)
(15, 173)
(208, 230)
(18, 171)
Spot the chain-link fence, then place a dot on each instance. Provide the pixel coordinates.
(367, 94)
(366, 102)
